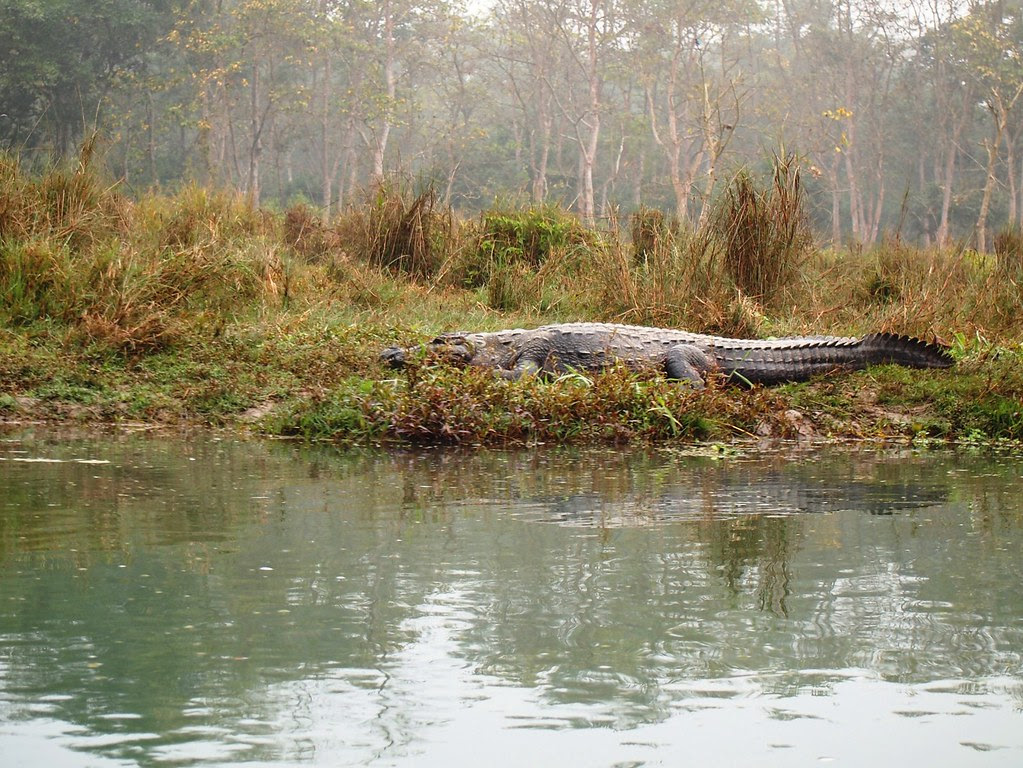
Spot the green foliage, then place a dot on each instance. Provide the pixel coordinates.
(472, 406)
(528, 237)
(980, 397)
(197, 217)
(35, 282)
(69, 201)
(58, 57)
(507, 245)
(73, 251)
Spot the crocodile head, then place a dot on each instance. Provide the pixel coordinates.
(452, 348)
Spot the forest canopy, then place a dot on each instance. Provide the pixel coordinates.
(906, 117)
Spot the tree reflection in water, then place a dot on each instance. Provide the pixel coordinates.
(239, 587)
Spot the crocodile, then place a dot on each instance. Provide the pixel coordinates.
(688, 357)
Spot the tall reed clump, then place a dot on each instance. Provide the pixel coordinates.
(1008, 245)
(46, 221)
(195, 259)
(202, 217)
(668, 278)
(398, 230)
(763, 232)
(716, 277)
(69, 202)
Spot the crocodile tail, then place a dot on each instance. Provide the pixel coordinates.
(905, 350)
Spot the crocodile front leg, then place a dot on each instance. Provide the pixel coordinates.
(532, 357)
(688, 363)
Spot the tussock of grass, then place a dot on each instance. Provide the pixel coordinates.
(68, 204)
(398, 230)
(763, 232)
(75, 252)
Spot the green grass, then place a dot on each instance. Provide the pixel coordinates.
(195, 308)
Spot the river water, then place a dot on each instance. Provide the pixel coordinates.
(211, 601)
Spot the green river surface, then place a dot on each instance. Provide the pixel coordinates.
(210, 600)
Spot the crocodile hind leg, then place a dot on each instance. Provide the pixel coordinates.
(688, 363)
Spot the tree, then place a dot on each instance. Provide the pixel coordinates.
(992, 36)
(58, 60)
(694, 89)
(587, 32)
(528, 56)
(248, 58)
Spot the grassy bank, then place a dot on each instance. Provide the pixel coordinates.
(194, 307)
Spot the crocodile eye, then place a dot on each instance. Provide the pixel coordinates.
(449, 339)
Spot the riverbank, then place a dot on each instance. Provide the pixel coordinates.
(196, 309)
(327, 386)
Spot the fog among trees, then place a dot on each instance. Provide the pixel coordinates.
(905, 116)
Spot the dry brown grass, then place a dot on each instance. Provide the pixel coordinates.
(137, 275)
(397, 229)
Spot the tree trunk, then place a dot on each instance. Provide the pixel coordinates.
(715, 139)
(540, 177)
(390, 89)
(151, 139)
(714, 143)
(589, 138)
(836, 203)
(203, 140)
(1010, 168)
(256, 145)
(351, 164)
(326, 171)
(672, 145)
(855, 215)
(989, 184)
(948, 178)
(637, 187)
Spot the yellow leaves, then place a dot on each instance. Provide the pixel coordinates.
(841, 113)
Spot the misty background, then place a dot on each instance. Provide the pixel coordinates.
(904, 116)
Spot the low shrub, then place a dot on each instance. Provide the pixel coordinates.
(502, 243)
